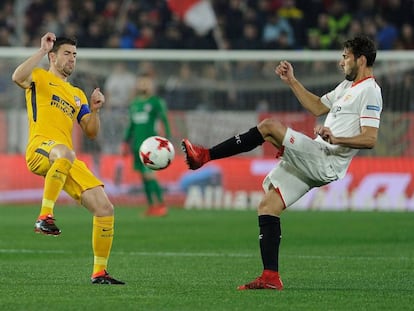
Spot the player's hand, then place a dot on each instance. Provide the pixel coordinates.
(125, 150)
(97, 99)
(47, 42)
(285, 71)
(325, 133)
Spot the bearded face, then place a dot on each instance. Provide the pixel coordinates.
(349, 65)
(64, 60)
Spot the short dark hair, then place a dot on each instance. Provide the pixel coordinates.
(362, 45)
(60, 41)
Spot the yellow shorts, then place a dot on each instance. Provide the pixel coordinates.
(80, 178)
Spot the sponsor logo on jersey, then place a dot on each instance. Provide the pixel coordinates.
(63, 105)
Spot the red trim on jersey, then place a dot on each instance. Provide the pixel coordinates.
(370, 118)
(362, 80)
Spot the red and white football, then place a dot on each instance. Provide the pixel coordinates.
(156, 152)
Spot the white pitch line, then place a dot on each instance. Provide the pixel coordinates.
(185, 254)
(205, 254)
(30, 251)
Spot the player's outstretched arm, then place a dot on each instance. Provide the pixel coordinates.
(308, 100)
(91, 123)
(365, 140)
(22, 76)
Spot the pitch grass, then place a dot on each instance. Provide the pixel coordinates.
(194, 260)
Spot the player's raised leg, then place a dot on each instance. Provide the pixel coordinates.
(197, 156)
(55, 178)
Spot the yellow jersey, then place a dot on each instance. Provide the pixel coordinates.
(53, 105)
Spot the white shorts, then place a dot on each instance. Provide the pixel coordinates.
(305, 164)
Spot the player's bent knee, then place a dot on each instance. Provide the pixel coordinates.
(97, 202)
(62, 151)
(271, 127)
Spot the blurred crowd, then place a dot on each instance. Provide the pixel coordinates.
(241, 24)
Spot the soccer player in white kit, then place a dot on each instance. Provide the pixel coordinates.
(352, 112)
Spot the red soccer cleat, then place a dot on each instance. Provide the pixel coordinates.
(195, 156)
(46, 224)
(268, 280)
(103, 277)
(157, 211)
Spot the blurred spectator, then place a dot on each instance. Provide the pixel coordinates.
(275, 30)
(179, 88)
(7, 24)
(397, 12)
(34, 17)
(262, 11)
(95, 36)
(322, 36)
(366, 9)
(314, 41)
(233, 20)
(151, 24)
(250, 40)
(406, 38)
(387, 34)
(145, 39)
(119, 89)
(355, 28)
(295, 17)
(147, 69)
(339, 20)
(369, 28)
(5, 37)
(128, 33)
(171, 39)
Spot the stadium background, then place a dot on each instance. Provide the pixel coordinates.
(217, 81)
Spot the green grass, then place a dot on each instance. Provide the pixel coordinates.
(194, 260)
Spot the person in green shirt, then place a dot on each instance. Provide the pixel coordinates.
(145, 113)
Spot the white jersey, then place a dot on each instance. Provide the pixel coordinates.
(308, 163)
(351, 105)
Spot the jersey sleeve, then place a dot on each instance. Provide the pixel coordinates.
(83, 101)
(327, 99)
(371, 107)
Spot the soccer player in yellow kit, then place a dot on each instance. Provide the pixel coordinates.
(53, 106)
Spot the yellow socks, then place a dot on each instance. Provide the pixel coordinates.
(102, 237)
(54, 181)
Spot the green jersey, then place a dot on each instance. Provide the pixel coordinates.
(144, 114)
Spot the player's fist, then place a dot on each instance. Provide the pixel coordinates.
(325, 133)
(47, 41)
(285, 71)
(97, 99)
